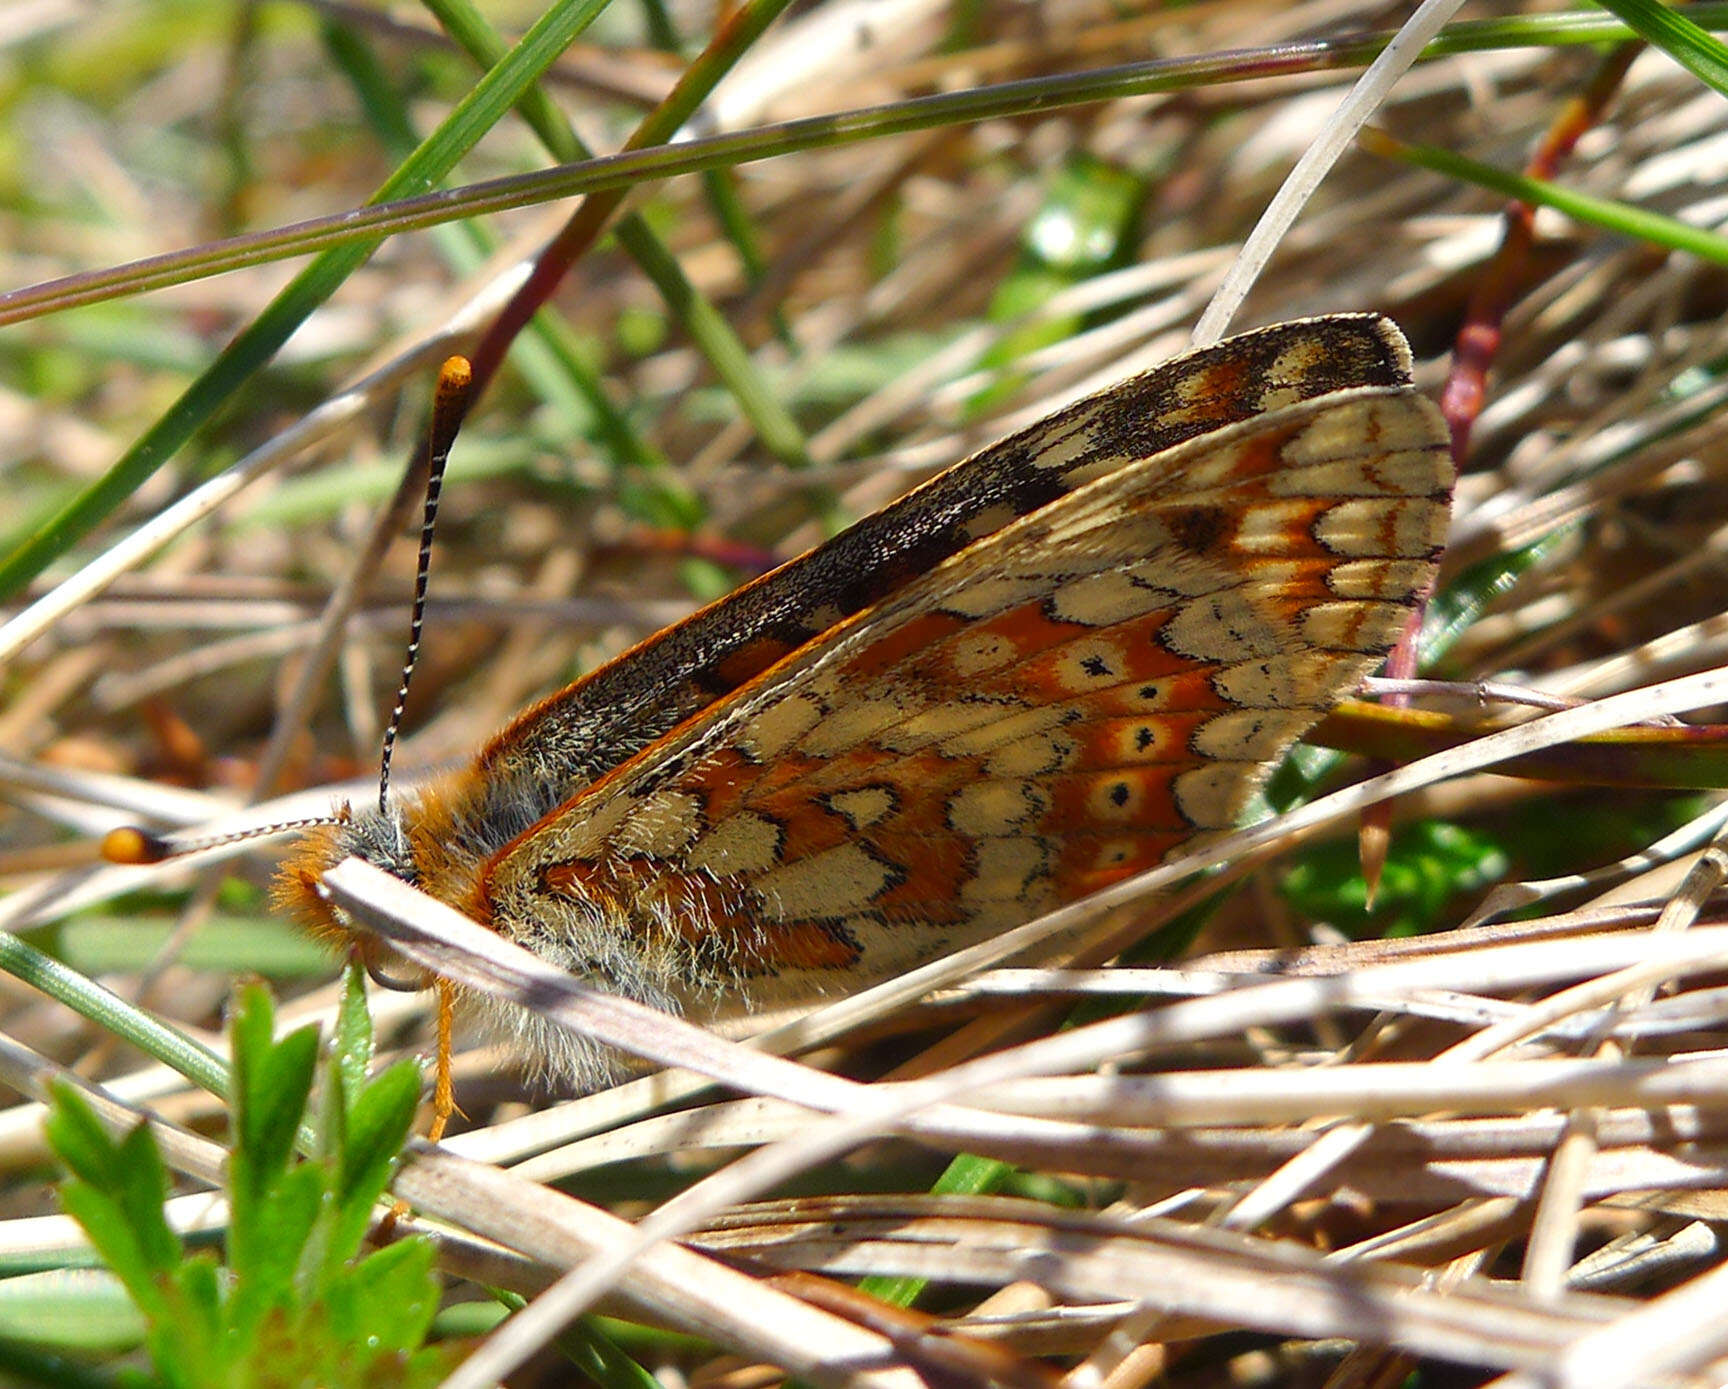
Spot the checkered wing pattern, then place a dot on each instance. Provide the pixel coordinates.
(584, 731)
(1057, 703)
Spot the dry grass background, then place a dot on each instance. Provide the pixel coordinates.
(1298, 1159)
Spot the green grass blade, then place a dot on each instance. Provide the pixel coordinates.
(477, 113)
(1620, 218)
(1679, 36)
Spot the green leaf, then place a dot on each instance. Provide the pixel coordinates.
(291, 1308)
(388, 1299)
(966, 1175)
(78, 1138)
(351, 1048)
(116, 1196)
(607, 1363)
(271, 1083)
(1087, 217)
(142, 1191)
(267, 1247)
(190, 1347)
(104, 1221)
(378, 1124)
(272, 1207)
(1698, 51)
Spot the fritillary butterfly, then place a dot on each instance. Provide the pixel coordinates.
(1033, 676)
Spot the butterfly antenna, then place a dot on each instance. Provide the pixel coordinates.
(449, 405)
(134, 845)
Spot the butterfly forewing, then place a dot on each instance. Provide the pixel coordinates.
(598, 722)
(1052, 707)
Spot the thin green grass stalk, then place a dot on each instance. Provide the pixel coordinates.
(476, 114)
(114, 1014)
(1620, 218)
(1682, 38)
(966, 1175)
(587, 1346)
(549, 357)
(706, 327)
(1452, 612)
(602, 1358)
(637, 165)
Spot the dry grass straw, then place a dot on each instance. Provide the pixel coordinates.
(1501, 1146)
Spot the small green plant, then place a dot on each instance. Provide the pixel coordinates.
(295, 1303)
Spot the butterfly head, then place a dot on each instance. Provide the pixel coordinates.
(378, 835)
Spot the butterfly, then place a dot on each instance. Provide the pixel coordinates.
(1033, 676)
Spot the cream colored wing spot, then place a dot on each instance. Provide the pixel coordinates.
(835, 882)
(1211, 797)
(1343, 431)
(1331, 477)
(995, 809)
(741, 843)
(1102, 600)
(1056, 454)
(1358, 472)
(1032, 756)
(1352, 626)
(1095, 468)
(978, 653)
(776, 727)
(1274, 578)
(1207, 472)
(851, 723)
(988, 595)
(1417, 467)
(941, 723)
(585, 831)
(822, 617)
(988, 521)
(1091, 663)
(1266, 528)
(1296, 362)
(1220, 627)
(862, 807)
(662, 823)
(1004, 870)
(1298, 680)
(1253, 734)
(1008, 727)
(1377, 526)
(1379, 578)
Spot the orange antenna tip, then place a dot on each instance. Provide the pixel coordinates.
(457, 374)
(134, 846)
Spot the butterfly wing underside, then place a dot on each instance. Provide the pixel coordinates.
(1056, 706)
(584, 731)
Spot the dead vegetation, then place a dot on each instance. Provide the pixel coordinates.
(1494, 1148)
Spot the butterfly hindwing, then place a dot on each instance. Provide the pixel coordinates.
(1050, 707)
